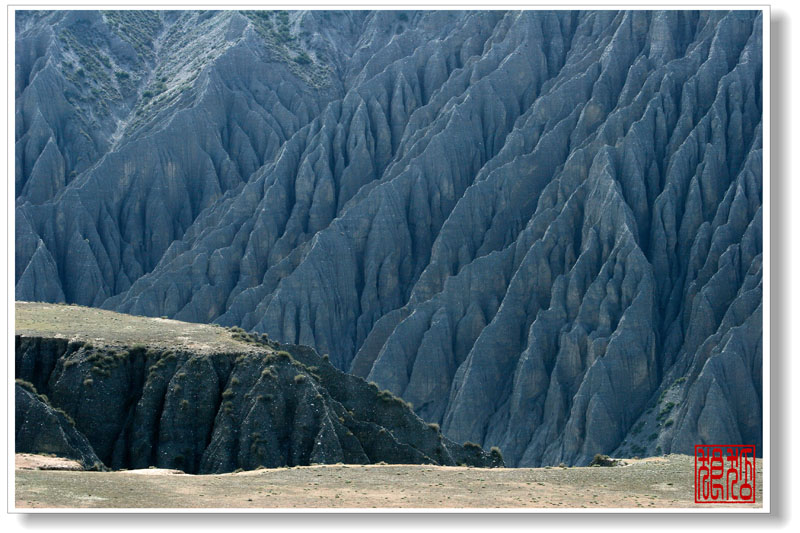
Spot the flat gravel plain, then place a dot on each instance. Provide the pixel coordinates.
(661, 482)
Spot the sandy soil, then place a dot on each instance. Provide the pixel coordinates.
(28, 461)
(649, 483)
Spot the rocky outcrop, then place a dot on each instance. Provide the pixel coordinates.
(40, 428)
(136, 407)
(542, 229)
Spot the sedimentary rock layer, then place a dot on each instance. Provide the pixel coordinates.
(543, 229)
(135, 407)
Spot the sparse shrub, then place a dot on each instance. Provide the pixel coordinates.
(65, 415)
(434, 426)
(386, 396)
(497, 455)
(661, 396)
(300, 378)
(184, 404)
(472, 446)
(302, 59)
(227, 393)
(26, 385)
(652, 436)
(234, 380)
(668, 423)
(88, 382)
(94, 467)
(665, 411)
(636, 449)
(602, 460)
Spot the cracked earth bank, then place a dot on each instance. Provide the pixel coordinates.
(542, 229)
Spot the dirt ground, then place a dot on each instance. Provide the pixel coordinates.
(648, 483)
(115, 329)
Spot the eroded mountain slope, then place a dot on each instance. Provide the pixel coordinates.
(543, 229)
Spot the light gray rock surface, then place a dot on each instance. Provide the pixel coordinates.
(543, 229)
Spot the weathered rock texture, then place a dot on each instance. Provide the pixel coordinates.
(134, 407)
(543, 229)
(40, 428)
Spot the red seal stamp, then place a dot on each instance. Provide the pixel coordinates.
(724, 473)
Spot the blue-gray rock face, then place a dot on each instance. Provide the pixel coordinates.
(41, 428)
(543, 229)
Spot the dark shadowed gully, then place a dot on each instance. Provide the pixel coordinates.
(541, 229)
